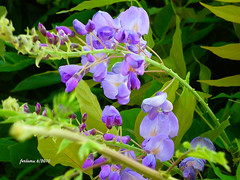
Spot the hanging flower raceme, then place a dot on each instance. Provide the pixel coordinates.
(191, 166)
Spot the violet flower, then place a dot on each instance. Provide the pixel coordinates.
(89, 161)
(79, 27)
(149, 161)
(69, 75)
(163, 123)
(127, 173)
(191, 166)
(135, 19)
(202, 142)
(115, 87)
(111, 117)
(110, 171)
(161, 146)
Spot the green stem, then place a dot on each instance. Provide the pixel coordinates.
(21, 131)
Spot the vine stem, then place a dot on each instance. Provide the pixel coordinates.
(21, 132)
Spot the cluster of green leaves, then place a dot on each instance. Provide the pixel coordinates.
(180, 32)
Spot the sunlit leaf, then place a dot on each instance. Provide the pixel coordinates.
(229, 1)
(89, 104)
(215, 133)
(224, 82)
(38, 80)
(176, 52)
(184, 110)
(229, 51)
(63, 145)
(92, 4)
(228, 12)
(48, 148)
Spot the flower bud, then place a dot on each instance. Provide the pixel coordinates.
(44, 113)
(90, 58)
(125, 139)
(89, 161)
(82, 126)
(66, 30)
(84, 117)
(79, 27)
(26, 108)
(99, 160)
(90, 26)
(92, 131)
(38, 108)
(42, 29)
(108, 137)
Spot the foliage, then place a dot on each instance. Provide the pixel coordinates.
(196, 41)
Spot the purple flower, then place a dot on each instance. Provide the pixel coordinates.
(149, 161)
(202, 142)
(89, 161)
(115, 87)
(105, 33)
(82, 126)
(190, 167)
(135, 19)
(79, 27)
(156, 104)
(161, 146)
(90, 26)
(69, 75)
(130, 154)
(66, 30)
(125, 139)
(100, 160)
(108, 137)
(127, 173)
(104, 19)
(111, 117)
(111, 171)
(163, 123)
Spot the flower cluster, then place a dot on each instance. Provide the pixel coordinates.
(104, 32)
(191, 166)
(157, 128)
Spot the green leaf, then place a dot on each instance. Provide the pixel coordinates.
(15, 62)
(162, 21)
(205, 73)
(223, 95)
(89, 104)
(63, 145)
(184, 110)
(149, 38)
(2, 50)
(228, 12)
(92, 4)
(218, 172)
(238, 172)
(38, 80)
(215, 133)
(48, 148)
(4, 151)
(229, 1)
(6, 112)
(24, 151)
(129, 117)
(229, 51)
(138, 121)
(223, 82)
(3, 11)
(176, 52)
(237, 29)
